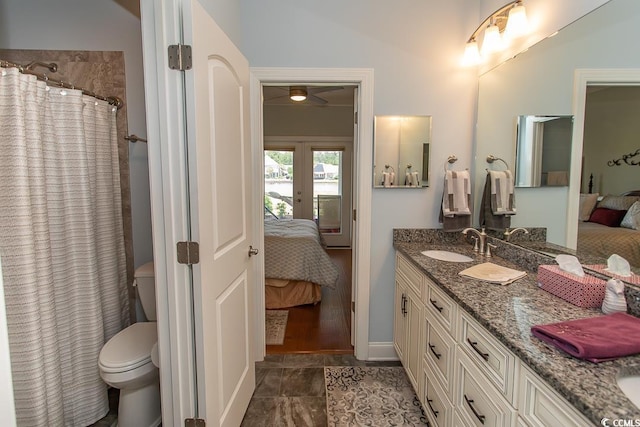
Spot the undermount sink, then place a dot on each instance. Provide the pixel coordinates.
(630, 386)
(447, 256)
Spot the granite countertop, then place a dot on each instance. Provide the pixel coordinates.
(509, 312)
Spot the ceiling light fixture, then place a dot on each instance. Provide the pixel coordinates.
(510, 19)
(298, 93)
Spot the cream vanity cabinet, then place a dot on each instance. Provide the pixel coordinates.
(407, 313)
(462, 374)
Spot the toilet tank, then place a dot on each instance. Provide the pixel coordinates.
(146, 284)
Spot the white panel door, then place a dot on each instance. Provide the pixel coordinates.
(217, 93)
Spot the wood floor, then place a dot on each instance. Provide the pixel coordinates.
(326, 326)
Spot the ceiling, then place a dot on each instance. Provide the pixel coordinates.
(278, 95)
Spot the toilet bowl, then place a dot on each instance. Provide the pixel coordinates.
(125, 362)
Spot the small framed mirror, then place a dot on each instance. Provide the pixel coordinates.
(543, 151)
(401, 151)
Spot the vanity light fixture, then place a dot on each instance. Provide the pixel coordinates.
(298, 93)
(508, 22)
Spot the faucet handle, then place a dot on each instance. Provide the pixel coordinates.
(487, 251)
(475, 244)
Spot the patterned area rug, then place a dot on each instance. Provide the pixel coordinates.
(276, 324)
(371, 396)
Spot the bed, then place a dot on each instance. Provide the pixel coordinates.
(296, 263)
(610, 225)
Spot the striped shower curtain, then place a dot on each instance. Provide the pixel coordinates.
(62, 247)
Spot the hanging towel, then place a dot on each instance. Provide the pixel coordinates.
(455, 214)
(487, 218)
(457, 193)
(502, 195)
(596, 339)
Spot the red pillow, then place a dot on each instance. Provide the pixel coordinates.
(608, 217)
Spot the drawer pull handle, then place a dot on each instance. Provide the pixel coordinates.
(404, 305)
(432, 348)
(474, 345)
(470, 403)
(435, 413)
(435, 304)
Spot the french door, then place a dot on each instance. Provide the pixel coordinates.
(311, 179)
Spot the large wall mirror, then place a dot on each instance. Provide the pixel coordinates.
(541, 81)
(401, 151)
(543, 151)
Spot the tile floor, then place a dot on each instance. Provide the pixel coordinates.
(290, 389)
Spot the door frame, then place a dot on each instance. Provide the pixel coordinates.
(582, 78)
(362, 186)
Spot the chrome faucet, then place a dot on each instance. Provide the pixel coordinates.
(508, 233)
(482, 237)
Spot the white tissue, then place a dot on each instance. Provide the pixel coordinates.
(570, 264)
(386, 179)
(614, 299)
(618, 265)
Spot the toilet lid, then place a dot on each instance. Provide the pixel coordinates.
(129, 348)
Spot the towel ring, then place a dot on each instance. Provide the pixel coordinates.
(451, 160)
(491, 158)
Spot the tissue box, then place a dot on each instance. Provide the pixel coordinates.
(587, 291)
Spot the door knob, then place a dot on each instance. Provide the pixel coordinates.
(253, 251)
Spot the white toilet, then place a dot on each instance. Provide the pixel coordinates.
(125, 361)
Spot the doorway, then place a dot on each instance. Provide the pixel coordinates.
(308, 145)
(363, 169)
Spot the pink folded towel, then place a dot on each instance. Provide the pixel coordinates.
(596, 339)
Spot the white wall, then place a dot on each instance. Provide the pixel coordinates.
(540, 81)
(413, 47)
(611, 130)
(93, 25)
(227, 15)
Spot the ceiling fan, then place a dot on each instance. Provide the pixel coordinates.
(297, 94)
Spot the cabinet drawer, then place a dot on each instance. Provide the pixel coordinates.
(539, 405)
(439, 352)
(410, 273)
(477, 400)
(493, 358)
(441, 305)
(435, 403)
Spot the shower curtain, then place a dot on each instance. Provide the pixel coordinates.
(62, 247)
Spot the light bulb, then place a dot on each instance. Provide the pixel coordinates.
(492, 41)
(517, 24)
(471, 54)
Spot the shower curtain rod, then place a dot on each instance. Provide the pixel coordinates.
(26, 69)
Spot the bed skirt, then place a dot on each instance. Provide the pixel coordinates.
(290, 293)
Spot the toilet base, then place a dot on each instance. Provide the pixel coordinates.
(140, 407)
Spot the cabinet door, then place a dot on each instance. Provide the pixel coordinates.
(541, 406)
(413, 337)
(399, 329)
(476, 398)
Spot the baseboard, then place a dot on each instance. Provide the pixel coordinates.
(382, 351)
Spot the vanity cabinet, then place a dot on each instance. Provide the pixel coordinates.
(462, 374)
(408, 311)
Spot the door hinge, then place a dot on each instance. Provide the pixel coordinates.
(353, 306)
(194, 422)
(188, 252)
(355, 118)
(180, 57)
(354, 214)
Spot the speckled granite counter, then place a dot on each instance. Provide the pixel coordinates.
(508, 312)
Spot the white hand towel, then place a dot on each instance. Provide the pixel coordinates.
(502, 195)
(457, 193)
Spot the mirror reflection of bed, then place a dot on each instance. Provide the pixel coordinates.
(609, 225)
(311, 282)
